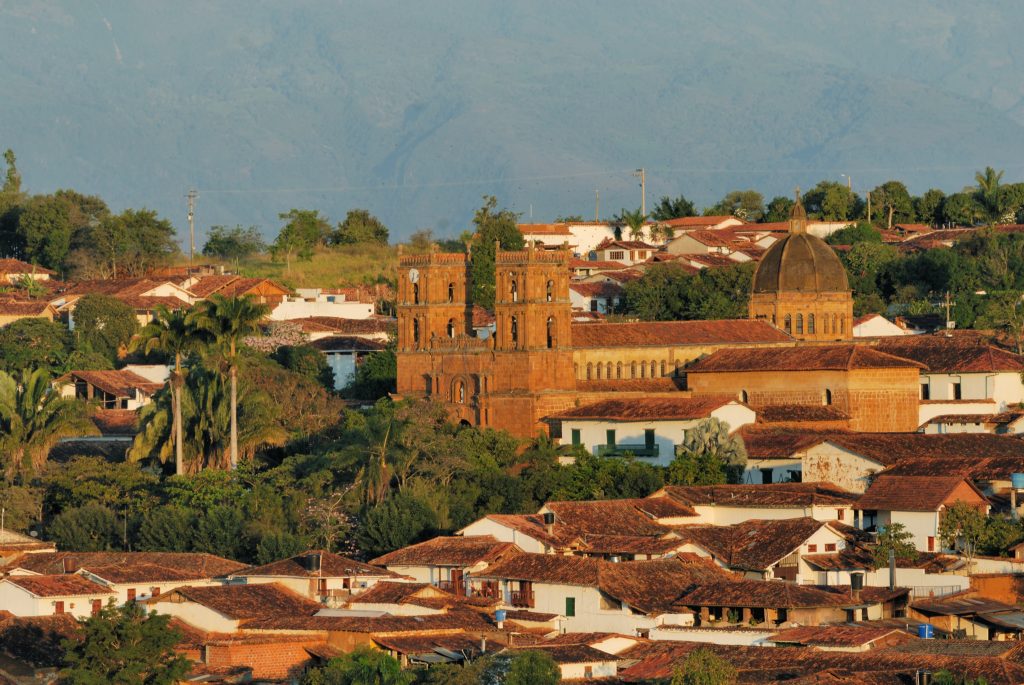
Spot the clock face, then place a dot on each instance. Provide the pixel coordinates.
(414, 275)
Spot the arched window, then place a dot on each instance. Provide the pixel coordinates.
(514, 329)
(835, 324)
(451, 328)
(827, 397)
(416, 332)
(551, 291)
(551, 332)
(415, 293)
(788, 324)
(515, 291)
(576, 370)
(600, 370)
(643, 369)
(632, 369)
(744, 397)
(451, 292)
(618, 370)
(824, 324)
(799, 324)
(842, 324)
(810, 324)
(590, 371)
(663, 368)
(459, 392)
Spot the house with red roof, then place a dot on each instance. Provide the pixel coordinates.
(112, 389)
(320, 575)
(628, 252)
(47, 595)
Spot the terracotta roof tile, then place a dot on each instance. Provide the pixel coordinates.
(890, 448)
(246, 602)
(647, 408)
(71, 585)
(665, 333)
(116, 421)
(208, 285)
(367, 326)
(24, 307)
(753, 545)
(200, 564)
(331, 566)
(16, 266)
(559, 229)
(617, 516)
(911, 493)
(596, 265)
(784, 413)
(603, 289)
(120, 383)
(829, 357)
(769, 495)
(694, 221)
(780, 443)
(658, 384)
(944, 355)
(467, 620)
(569, 654)
(765, 594)
(449, 551)
(837, 636)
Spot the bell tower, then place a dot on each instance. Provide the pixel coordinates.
(531, 300)
(432, 299)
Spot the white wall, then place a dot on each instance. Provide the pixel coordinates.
(929, 410)
(550, 598)
(782, 469)
(878, 327)
(21, 602)
(905, 577)
(921, 524)
(715, 636)
(301, 309)
(196, 615)
(486, 526)
(830, 463)
(721, 515)
(598, 669)
(144, 589)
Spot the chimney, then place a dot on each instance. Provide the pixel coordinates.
(549, 522)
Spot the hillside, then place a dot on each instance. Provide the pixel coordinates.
(416, 110)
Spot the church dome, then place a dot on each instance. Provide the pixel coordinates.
(800, 262)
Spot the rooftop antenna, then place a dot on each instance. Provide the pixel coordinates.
(597, 205)
(642, 174)
(192, 195)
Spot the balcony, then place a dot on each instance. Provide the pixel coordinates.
(452, 586)
(621, 449)
(522, 598)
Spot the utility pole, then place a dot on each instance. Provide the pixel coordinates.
(949, 305)
(192, 195)
(869, 206)
(597, 205)
(642, 174)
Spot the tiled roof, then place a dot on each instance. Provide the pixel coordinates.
(23, 307)
(149, 303)
(836, 636)
(569, 654)
(910, 493)
(335, 343)
(603, 289)
(974, 468)
(544, 229)
(890, 448)
(432, 643)
(229, 285)
(768, 495)
(16, 266)
(114, 286)
(617, 516)
(388, 592)
(449, 551)
(647, 409)
(139, 573)
(207, 285)
(858, 557)
(694, 221)
(372, 324)
(331, 566)
(242, 286)
(764, 594)
(753, 545)
(116, 421)
(71, 585)
(467, 620)
(961, 604)
(13, 541)
(710, 260)
(119, 383)
(779, 443)
(482, 317)
(659, 384)
(783, 413)
(824, 358)
(200, 564)
(245, 602)
(709, 238)
(946, 355)
(595, 264)
(666, 333)
(625, 244)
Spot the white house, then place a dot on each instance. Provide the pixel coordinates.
(603, 298)
(1005, 423)
(628, 252)
(225, 608)
(345, 353)
(876, 326)
(319, 575)
(726, 505)
(447, 561)
(578, 662)
(39, 595)
(113, 389)
(649, 428)
(309, 302)
(916, 502)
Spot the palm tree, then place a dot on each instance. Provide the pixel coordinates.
(34, 417)
(228, 321)
(172, 333)
(635, 220)
(990, 194)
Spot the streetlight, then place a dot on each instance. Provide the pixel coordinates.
(849, 181)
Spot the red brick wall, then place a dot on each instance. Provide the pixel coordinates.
(268, 660)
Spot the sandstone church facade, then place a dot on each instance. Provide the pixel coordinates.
(539, 362)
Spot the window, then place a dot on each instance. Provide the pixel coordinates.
(451, 292)
(643, 369)
(811, 549)
(131, 594)
(926, 391)
(570, 606)
(97, 605)
(827, 399)
(830, 547)
(799, 324)
(744, 397)
(663, 368)
(824, 324)
(58, 607)
(957, 391)
(416, 332)
(590, 371)
(616, 255)
(618, 370)
(588, 672)
(451, 328)
(835, 324)
(842, 323)
(515, 291)
(515, 332)
(810, 324)
(415, 293)
(649, 438)
(632, 369)
(551, 332)
(576, 436)
(600, 368)
(551, 291)
(931, 543)
(154, 591)
(610, 437)
(787, 324)
(593, 304)
(840, 514)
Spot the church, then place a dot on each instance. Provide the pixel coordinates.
(539, 362)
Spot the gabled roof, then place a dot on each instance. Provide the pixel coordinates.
(557, 229)
(371, 325)
(245, 602)
(625, 245)
(119, 382)
(201, 565)
(58, 585)
(665, 333)
(913, 493)
(824, 358)
(16, 266)
(230, 286)
(890, 448)
(331, 566)
(648, 409)
(449, 551)
(766, 496)
(602, 289)
(780, 443)
(785, 413)
(617, 516)
(595, 264)
(25, 307)
(837, 636)
(952, 355)
(695, 221)
(753, 545)
(766, 594)
(467, 620)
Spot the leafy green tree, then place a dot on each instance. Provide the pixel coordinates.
(1001, 532)
(307, 361)
(34, 344)
(233, 244)
(929, 207)
(962, 528)
(990, 195)
(492, 226)
(278, 545)
(894, 202)
(778, 209)
(569, 219)
(128, 244)
(396, 522)
(1005, 312)
(704, 667)
(945, 677)
(90, 528)
(744, 204)
(220, 530)
(831, 201)
(362, 666)
(375, 377)
(10, 192)
(86, 480)
(634, 220)
(358, 227)
(124, 645)
(672, 208)
(861, 232)
(962, 209)
(708, 455)
(532, 667)
(897, 538)
(303, 231)
(229, 321)
(33, 418)
(105, 325)
(174, 334)
(168, 528)
(45, 228)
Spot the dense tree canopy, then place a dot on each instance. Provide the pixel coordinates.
(234, 243)
(492, 226)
